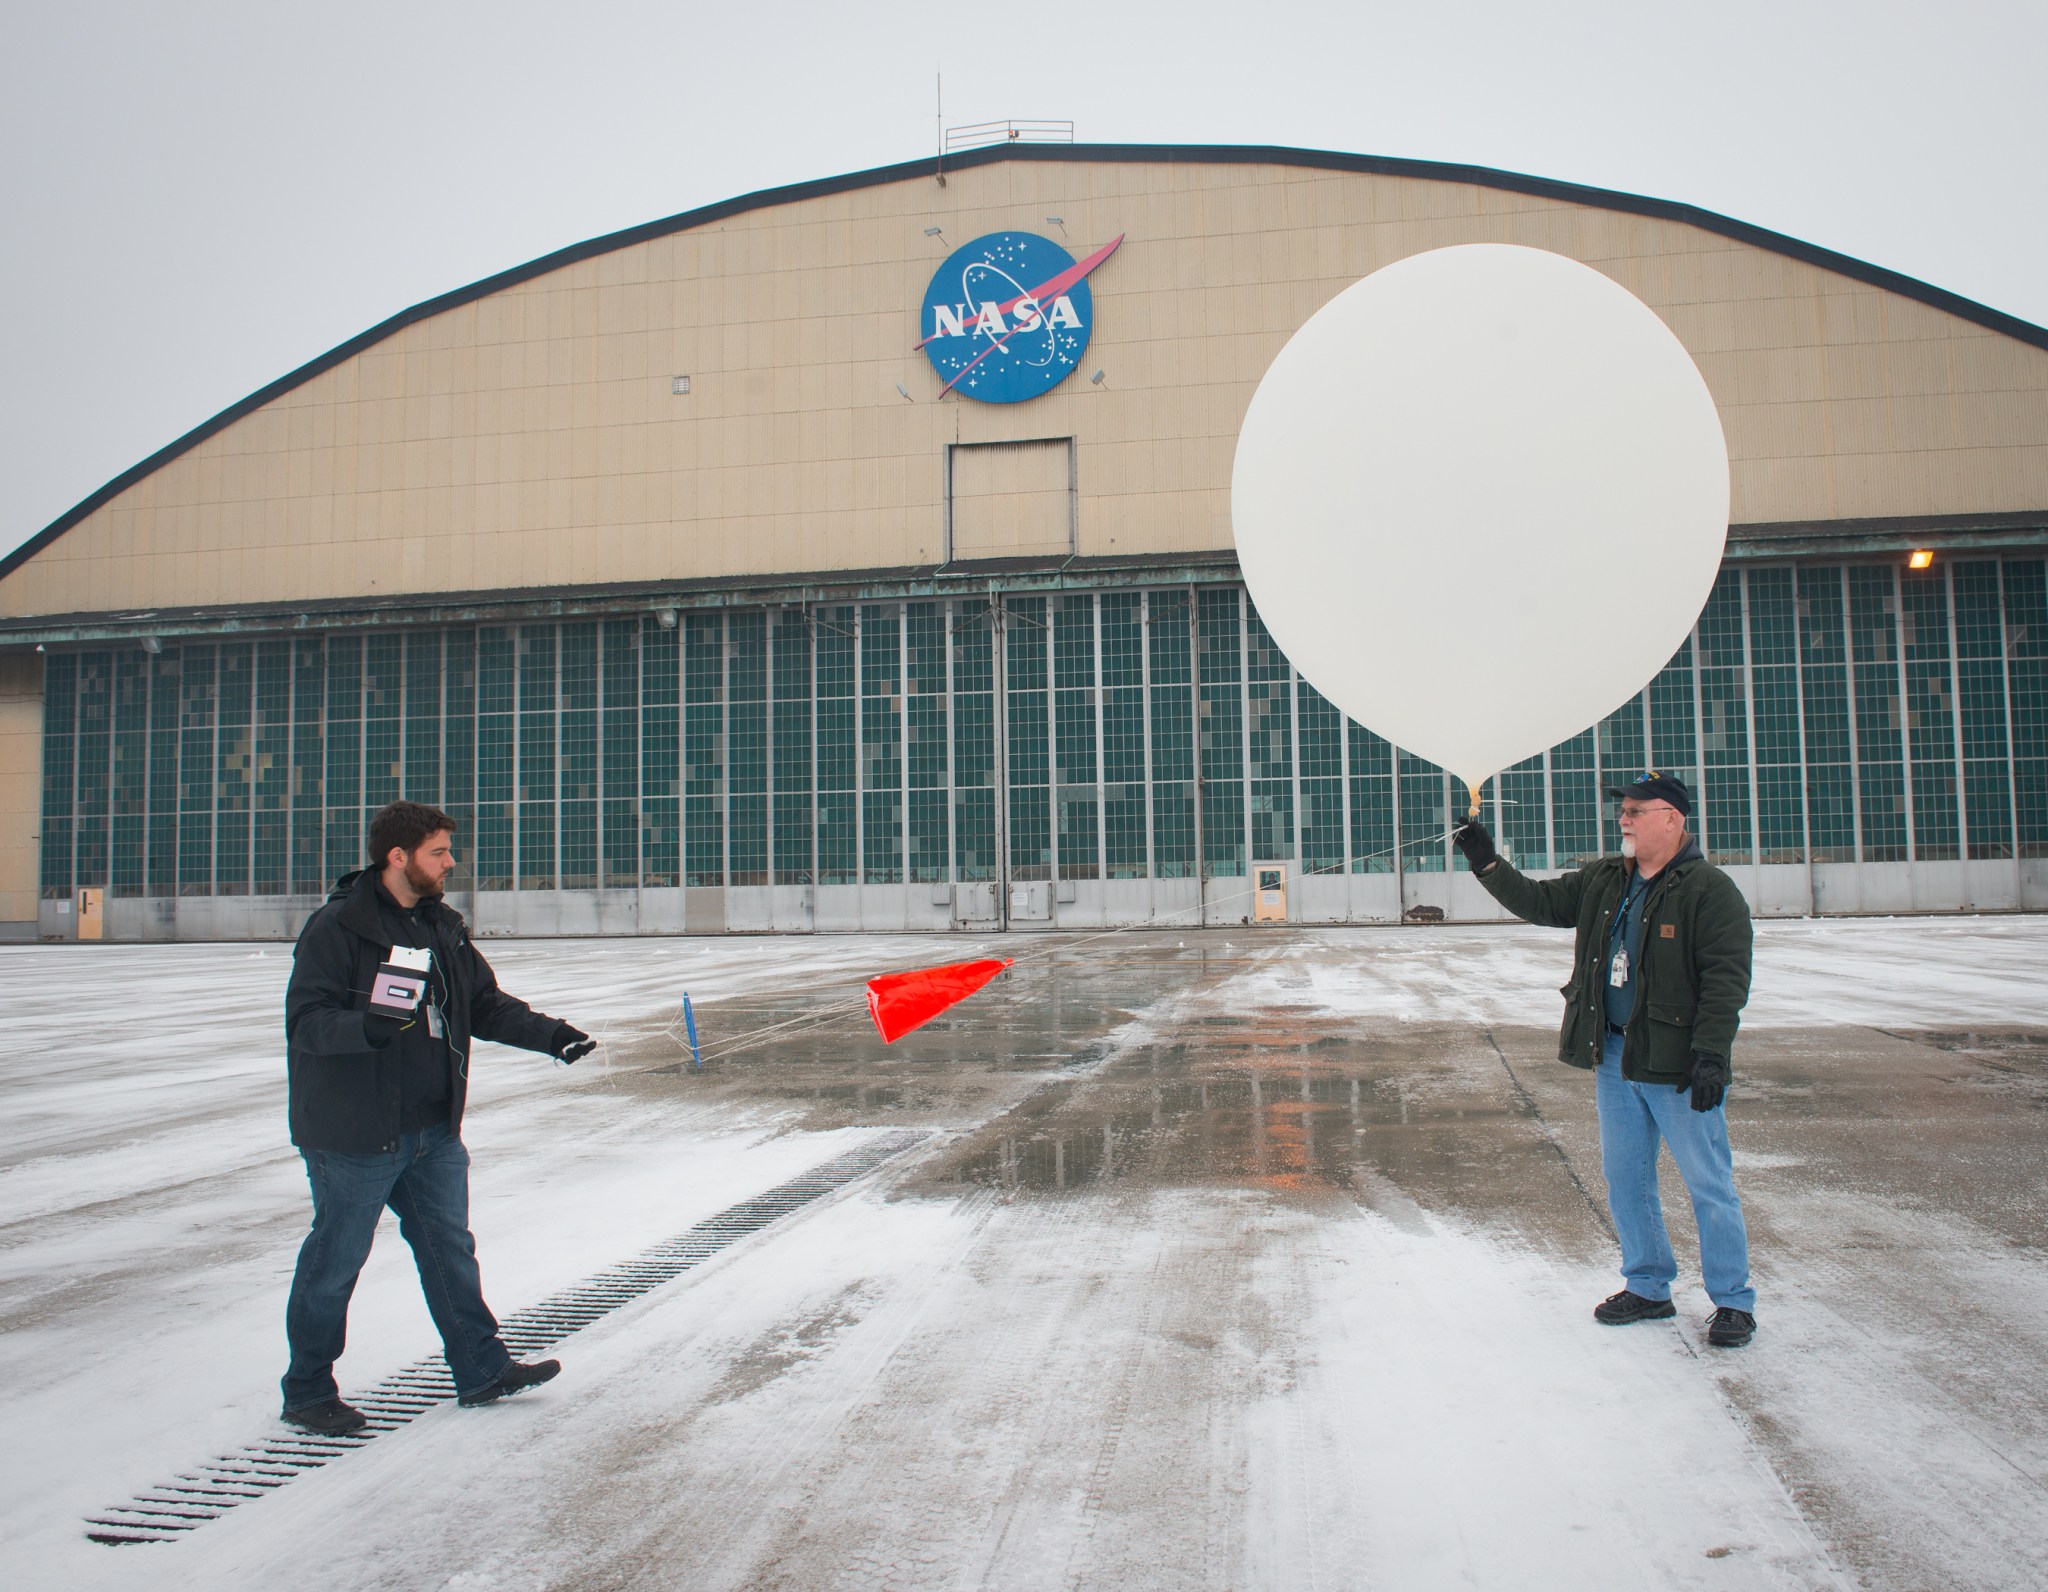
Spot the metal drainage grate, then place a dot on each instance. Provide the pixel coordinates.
(165, 1513)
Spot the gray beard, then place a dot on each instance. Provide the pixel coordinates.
(1628, 846)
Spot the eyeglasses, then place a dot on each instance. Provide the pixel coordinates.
(1644, 809)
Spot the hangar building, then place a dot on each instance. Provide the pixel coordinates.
(719, 578)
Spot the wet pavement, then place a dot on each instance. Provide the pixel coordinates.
(1223, 1266)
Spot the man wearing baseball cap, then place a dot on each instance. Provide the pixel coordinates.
(1660, 972)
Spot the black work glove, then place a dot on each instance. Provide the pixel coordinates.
(570, 1044)
(380, 1028)
(1708, 1081)
(1472, 839)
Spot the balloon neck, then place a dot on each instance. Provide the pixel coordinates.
(1474, 811)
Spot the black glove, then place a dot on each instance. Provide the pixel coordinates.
(1708, 1081)
(380, 1028)
(1477, 845)
(570, 1044)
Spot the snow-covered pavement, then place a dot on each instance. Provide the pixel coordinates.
(1234, 1260)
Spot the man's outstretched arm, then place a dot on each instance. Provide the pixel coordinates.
(1550, 903)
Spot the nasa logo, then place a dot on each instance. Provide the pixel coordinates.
(1008, 316)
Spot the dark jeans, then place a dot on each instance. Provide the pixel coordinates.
(426, 1183)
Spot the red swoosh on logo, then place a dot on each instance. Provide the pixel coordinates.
(1050, 289)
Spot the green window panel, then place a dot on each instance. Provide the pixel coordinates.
(974, 833)
(838, 837)
(577, 781)
(539, 704)
(1172, 644)
(1123, 830)
(383, 721)
(1123, 638)
(95, 766)
(794, 825)
(309, 745)
(343, 780)
(1322, 735)
(1173, 828)
(1219, 661)
(1980, 698)
(881, 743)
(1223, 828)
(1575, 801)
(661, 830)
(1269, 693)
(619, 755)
(2025, 582)
(1028, 661)
(1426, 814)
(497, 738)
(423, 672)
(1620, 737)
(929, 843)
(1879, 714)
(270, 777)
(1830, 750)
(1674, 728)
(1322, 825)
(1173, 733)
(1272, 820)
(458, 736)
(60, 772)
(1372, 801)
(1724, 817)
(166, 691)
(199, 684)
(1930, 715)
(1080, 840)
(234, 757)
(924, 647)
(974, 722)
(1775, 732)
(704, 749)
(129, 792)
(746, 768)
(1123, 735)
(1523, 824)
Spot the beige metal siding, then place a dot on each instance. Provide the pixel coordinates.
(531, 439)
(21, 780)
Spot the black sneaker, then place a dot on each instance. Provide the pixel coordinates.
(1618, 1310)
(329, 1418)
(1730, 1329)
(515, 1378)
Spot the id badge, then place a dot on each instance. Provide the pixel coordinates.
(1617, 975)
(435, 1026)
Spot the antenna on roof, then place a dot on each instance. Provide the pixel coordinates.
(939, 124)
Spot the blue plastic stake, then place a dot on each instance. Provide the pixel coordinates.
(690, 1026)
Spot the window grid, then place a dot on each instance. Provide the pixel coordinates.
(1842, 712)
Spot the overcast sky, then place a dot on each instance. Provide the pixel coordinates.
(200, 196)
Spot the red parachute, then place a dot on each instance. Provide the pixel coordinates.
(901, 1002)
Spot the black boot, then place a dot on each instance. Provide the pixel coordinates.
(1730, 1329)
(328, 1418)
(1618, 1310)
(514, 1378)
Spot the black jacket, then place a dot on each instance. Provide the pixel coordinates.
(1694, 978)
(345, 1092)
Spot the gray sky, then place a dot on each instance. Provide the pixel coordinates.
(200, 197)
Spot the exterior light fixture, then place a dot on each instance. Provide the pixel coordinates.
(1058, 221)
(935, 232)
(679, 386)
(1096, 379)
(151, 645)
(667, 616)
(905, 392)
(1920, 558)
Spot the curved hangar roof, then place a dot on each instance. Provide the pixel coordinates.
(523, 432)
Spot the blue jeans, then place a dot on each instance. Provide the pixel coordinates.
(426, 1183)
(1633, 1119)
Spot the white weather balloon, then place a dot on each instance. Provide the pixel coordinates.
(1480, 499)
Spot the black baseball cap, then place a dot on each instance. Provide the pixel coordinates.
(1652, 786)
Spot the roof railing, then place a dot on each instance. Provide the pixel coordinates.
(979, 135)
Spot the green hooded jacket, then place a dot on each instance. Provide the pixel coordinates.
(1694, 976)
